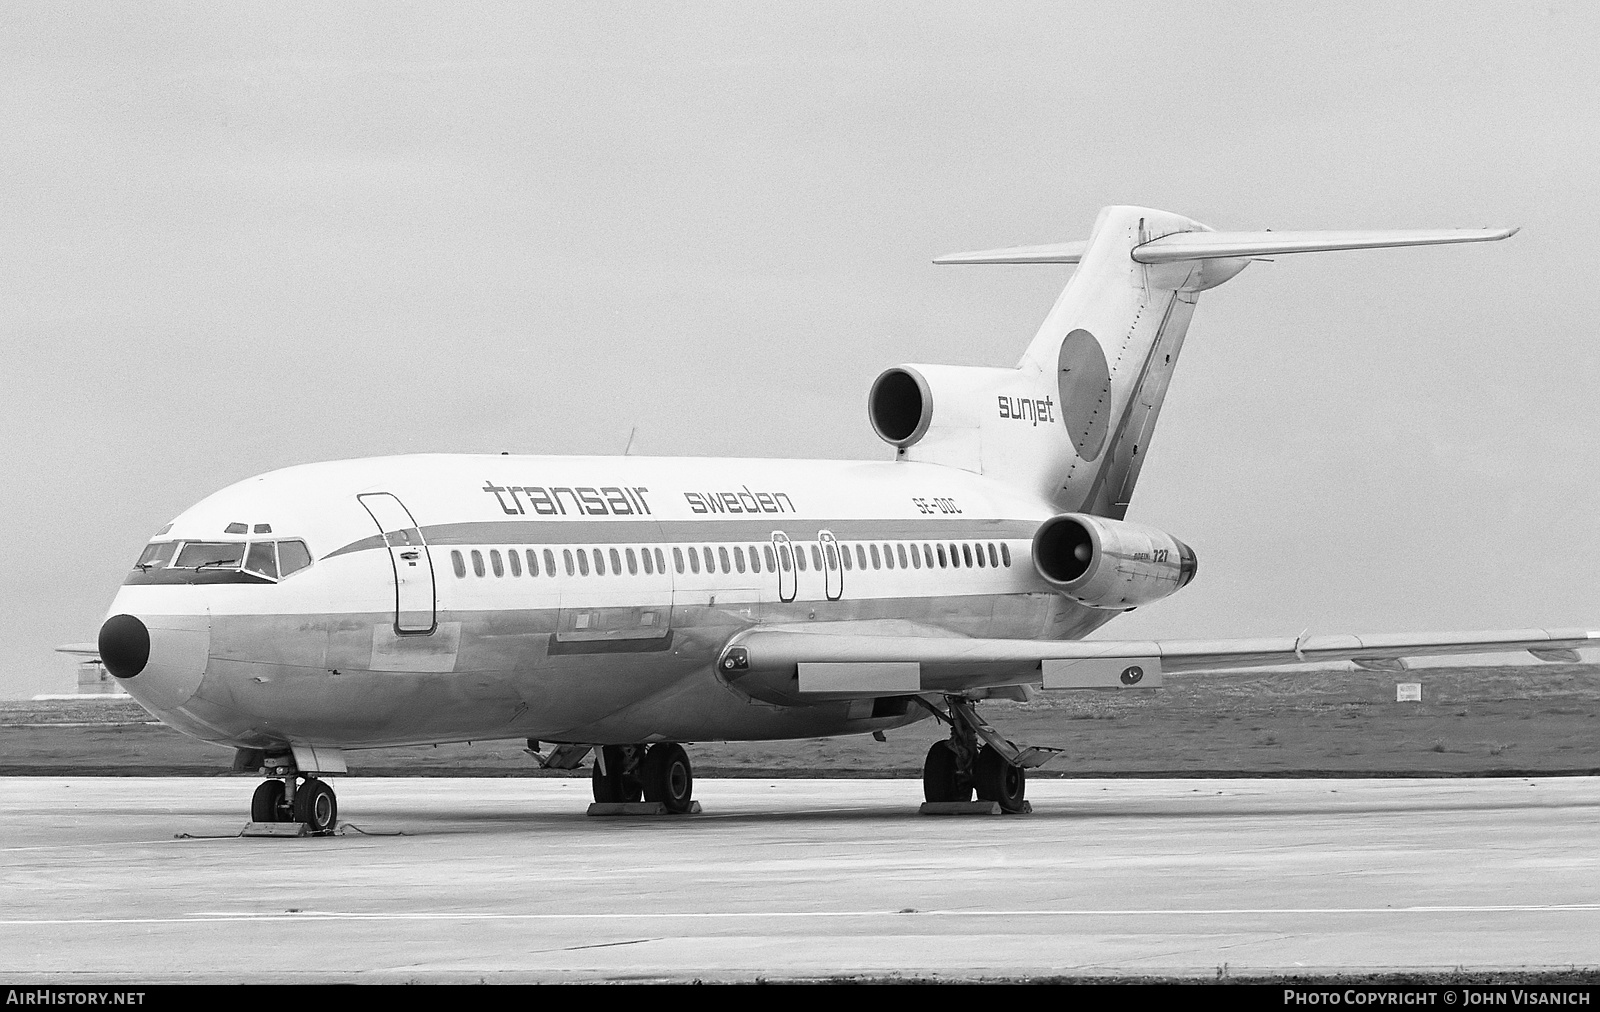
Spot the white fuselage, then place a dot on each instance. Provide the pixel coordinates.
(578, 599)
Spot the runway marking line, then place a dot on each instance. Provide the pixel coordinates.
(209, 917)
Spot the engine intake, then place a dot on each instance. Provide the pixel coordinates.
(1111, 563)
(900, 406)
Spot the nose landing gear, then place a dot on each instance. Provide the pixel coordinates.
(288, 797)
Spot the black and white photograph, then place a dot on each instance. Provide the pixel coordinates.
(527, 493)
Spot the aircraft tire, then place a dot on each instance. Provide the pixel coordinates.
(1000, 781)
(266, 805)
(667, 777)
(316, 806)
(612, 787)
(941, 775)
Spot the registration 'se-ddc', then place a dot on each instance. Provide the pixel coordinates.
(622, 606)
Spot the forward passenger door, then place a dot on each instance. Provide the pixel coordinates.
(414, 596)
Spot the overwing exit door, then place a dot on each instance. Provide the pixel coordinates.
(408, 557)
(833, 575)
(788, 579)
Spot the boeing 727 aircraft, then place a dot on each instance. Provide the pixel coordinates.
(625, 606)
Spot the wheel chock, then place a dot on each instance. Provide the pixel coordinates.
(968, 808)
(638, 808)
(275, 829)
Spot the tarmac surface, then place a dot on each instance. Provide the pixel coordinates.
(507, 880)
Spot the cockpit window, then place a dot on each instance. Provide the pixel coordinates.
(208, 554)
(219, 561)
(155, 556)
(293, 556)
(261, 559)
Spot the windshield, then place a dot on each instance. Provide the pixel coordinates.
(219, 561)
(157, 555)
(206, 554)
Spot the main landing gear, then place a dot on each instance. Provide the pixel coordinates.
(290, 796)
(976, 759)
(658, 773)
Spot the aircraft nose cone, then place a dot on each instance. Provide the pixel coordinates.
(124, 645)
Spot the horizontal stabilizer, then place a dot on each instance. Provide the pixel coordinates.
(1051, 253)
(1210, 245)
(1222, 245)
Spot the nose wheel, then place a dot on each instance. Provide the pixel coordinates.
(311, 803)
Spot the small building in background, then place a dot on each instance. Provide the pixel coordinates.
(93, 678)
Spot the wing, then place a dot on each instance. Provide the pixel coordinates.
(818, 662)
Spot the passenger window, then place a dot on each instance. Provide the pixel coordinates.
(477, 563)
(514, 560)
(927, 553)
(1005, 554)
(994, 561)
(722, 557)
(566, 557)
(916, 558)
(550, 563)
(458, 563)
(633, 563)
(694, 560)
(711, 563)
(861, 556)
(494, 560)
(979, 553)
(661, 562)
(677, 559)
(845, 551)
(649, 565)
(786, 556)
(738, 557)
(261, 559)
(583, 562)
(755, 560)
(616, 563)
(533, 562)
(293, 556)
(888, 557)
(876, 561)
(800, 557)
(943, 563)
(599, 562)
(772, 559)
(816, 557)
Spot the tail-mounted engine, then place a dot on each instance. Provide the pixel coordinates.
(1110, 563)
(936, 413)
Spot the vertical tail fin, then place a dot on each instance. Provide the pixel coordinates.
(1106, 352)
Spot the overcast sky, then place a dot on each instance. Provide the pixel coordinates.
(237, 237)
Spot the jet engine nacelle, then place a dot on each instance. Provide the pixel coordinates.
(1106, 563)
(935, 413)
